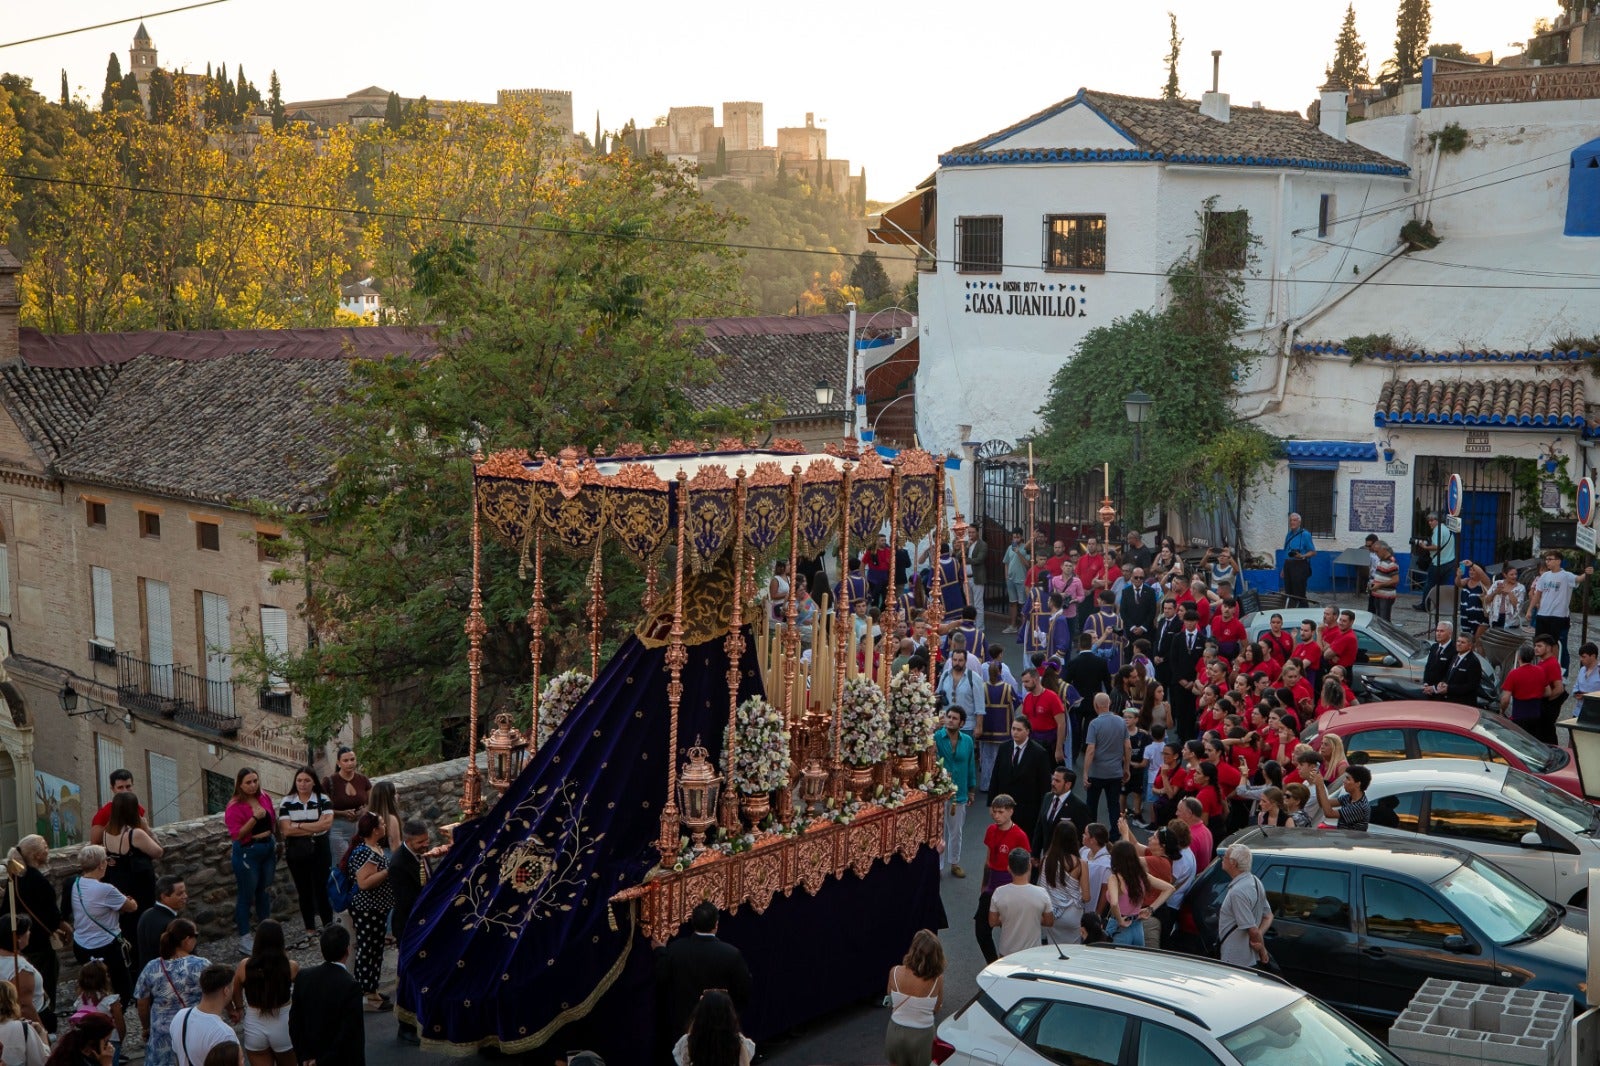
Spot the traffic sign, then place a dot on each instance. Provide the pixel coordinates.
(1584, 538)
(1453, 523)
(1585, 502)
(1453, 496)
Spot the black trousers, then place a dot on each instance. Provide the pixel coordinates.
(48, 963)
(310, 874)
(982, 930)
(1296, 572)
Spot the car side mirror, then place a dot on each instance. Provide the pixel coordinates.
(1457, 944)
(1390, 660)
(1532, 840)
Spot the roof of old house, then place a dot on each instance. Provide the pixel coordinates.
(1526, 403)
(1174, 131)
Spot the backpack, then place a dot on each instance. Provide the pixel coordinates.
(341, 886)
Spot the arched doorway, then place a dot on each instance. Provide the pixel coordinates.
(8, 803)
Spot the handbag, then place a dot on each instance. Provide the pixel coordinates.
(116, 935)
(171, 983)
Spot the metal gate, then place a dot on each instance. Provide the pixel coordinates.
(1491, 528)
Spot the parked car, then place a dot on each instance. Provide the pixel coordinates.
(1116, 1006)
(1385, 653)
(1544, 837)
(1428, 729)
(1361, 921)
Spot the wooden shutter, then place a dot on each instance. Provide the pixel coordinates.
(100, 586)
(163, 789)
(219, 658)
(108, 753)
(275, 637)
(158, 634)
(5, 579)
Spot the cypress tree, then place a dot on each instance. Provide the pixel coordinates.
(275, 101)
(722, 156)
(108, 95)
(66, 97)
(1169, 91)
(163, 101)
(599, 138)
(1349, 66)
(394, 112)
(1413, 24)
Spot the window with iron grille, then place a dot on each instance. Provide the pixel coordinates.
(1325, 209)
(1227, 240)
(1075, 243)
(980, 244)
(1312, 494)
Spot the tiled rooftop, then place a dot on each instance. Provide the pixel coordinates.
(1525, 402)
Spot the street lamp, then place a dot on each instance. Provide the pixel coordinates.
(824, 393)
(1585, 731)
(1137, 406)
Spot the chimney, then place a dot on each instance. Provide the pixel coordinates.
(1214, 104)
(10, 305)
(1331, 111)
(809, 122)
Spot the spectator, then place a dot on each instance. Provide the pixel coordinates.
(1354, 811)
(409, 870)
(1022, 772)
(962, 686)
(1017, 562)
(96, 909)
(1096, 853)
(1555, 694)
(172, 895)
(1065, 877)
(1587, 680)
(1106, 759)
(1474, 586)
(304, 818)
(1245, 916)
(1550, 604)
(224, 1054)
(367, 864)
(1060, 804)
(169, 983)
(348, 792)
(196, 1029)
(955, 750)
(1001, 838)
(1504, 601)
(713, 1037)
(1021, 910)
(260, 992)
(325, 1007)
(88, 1043)
(1296, 802)
(16, 970)
(385, 803)
(1132, 895)
(1193, 814)
(916, 992)
(251, 823)
(131, 854)
(38, 900)
(689, 966)
(121, 781)
(95, 996)
(1440, 549)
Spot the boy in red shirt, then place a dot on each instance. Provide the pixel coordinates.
(1228, 631)
(1339, 642)
(1555, 693)
(1307, 649)
(1522, 692)
(998, 840)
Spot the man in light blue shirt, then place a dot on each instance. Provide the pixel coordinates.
(1298, 548)
(958, 754)
(1441, 548)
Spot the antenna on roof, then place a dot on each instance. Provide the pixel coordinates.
(1062, 955)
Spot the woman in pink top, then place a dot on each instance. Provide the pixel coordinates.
(252, 826)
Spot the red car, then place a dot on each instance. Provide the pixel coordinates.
(1423, 729)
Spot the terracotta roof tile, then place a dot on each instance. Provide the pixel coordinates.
(1521, 402)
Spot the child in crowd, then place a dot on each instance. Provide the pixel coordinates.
(95, 996)
(1152, 766)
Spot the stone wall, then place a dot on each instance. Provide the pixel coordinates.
(198, 850)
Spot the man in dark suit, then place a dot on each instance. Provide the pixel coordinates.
(1060, 805)
(1168, 627)
(691, 964)
(325, 1009)
(409, 870)
(1441, 654)
(172, 895)
(1138, 608)
(1187, 649)
(1022, 771)
(1466, 672)
(1088, 674)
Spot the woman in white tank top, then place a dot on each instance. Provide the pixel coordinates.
(916, 992)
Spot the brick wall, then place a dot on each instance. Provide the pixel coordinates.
(10, 304)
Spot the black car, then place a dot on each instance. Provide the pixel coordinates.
(1361, 922)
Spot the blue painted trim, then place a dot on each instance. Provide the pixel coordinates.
(1130, 155)
(1383, 418)
(1427, 82)
(1337, 450)
(1550, 356)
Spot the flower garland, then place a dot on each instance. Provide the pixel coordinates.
(864, 723)
(761, 756)
(913, 713)
(561, 694)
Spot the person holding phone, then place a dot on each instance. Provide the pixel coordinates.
(1298, 550)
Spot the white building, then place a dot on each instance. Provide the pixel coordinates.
(1071, 218)
(361, 299)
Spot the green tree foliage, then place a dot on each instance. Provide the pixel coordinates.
(394, 112)
(1413, 24)
(1450, 51)
(1349, 66)
(41, 131)
(108, 95)
(127, 97)
(1184, 356)
(163, 97)
(780, 214)
(1169, 91)
(869, 276)
(275, 102)
(549, 340)
(66, 97)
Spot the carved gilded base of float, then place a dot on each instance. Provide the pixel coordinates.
(777, 864)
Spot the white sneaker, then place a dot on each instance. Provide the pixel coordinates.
(247, 943)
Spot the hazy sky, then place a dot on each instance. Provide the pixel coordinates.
(895, 82)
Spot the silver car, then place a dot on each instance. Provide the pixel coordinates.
(1544, 837)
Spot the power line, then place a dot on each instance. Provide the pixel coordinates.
(1411, 201)
(707, 244)
(1519, 271)
(114, 22)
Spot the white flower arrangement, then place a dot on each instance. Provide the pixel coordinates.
(913, 713)
(864, 723)
(561, 694)
(761, 756)
(938, 783)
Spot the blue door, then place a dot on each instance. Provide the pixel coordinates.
(1480, 526)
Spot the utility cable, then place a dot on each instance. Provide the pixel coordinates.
(113, 22)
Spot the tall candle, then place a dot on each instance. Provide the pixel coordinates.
(1108, 479)
(1030, 458)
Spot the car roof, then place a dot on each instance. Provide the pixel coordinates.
(1410, 714)
(1293, 616)
(1442, 773)
(1225, 997)
(1419, 857)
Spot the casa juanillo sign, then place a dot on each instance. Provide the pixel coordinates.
(1035, 299)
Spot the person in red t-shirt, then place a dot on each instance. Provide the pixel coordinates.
(1555, 693)
(121, 781)
(999, 839)
(1211, 712)
(1522, 692)
(1228, 775)
(1308, 649)
(1092, 565)
(1279, 641)
(1339, 643)
(1046, 714)
(1299, 688)
(1228, 631)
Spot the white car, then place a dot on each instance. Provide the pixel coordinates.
(1546, 838)
(1117, 1006)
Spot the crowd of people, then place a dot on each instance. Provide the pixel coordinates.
(127, 926)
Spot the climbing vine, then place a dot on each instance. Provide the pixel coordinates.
(1528, 477)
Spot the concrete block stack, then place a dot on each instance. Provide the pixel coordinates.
(1450, 1023)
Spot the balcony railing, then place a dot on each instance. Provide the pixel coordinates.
(1515, 85)
(173, 692)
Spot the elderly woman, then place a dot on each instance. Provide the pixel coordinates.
(96, 910)
(37, 898)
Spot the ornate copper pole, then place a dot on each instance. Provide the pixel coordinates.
(935, 612)
(734, 646)
(676, 657)
(842, 629)
(891, 601)
(537, 617)
(959, 543)
(651, 579)
(597, 606)
(791, 650)
(1030, 493)
(476, 628)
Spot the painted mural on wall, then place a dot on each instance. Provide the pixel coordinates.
(58, 810)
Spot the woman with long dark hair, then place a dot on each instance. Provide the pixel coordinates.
(713, 1038)
(1132, 895)
(88, 1043)
(131, 854)
(348, 790)
(1065, 877)
(168, 984)
(304, 818)
(261, 986)
(252, 824)
(368, 866)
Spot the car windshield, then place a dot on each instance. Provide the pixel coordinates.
(1535, 754)
(1562, 809)
(1396, 637)
(1307, 1034)
(1502, 909)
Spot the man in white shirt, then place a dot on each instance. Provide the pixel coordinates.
(196, 1030)
(1020, 910)
(1245, 916)
(1550, 605)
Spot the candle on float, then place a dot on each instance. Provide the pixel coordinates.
(1030, 458)
(1108, 478)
